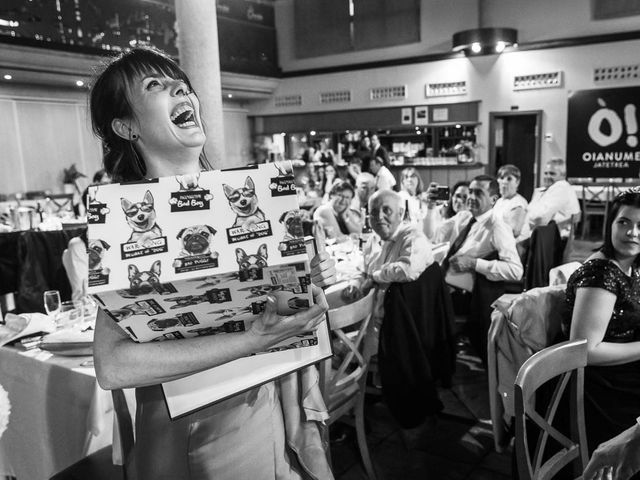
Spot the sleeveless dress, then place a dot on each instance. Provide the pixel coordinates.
(611, 393)
(241, 437)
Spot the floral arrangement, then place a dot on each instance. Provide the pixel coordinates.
(71, 174)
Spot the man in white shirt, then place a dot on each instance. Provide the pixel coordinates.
(486, 234)
(365, 187)
(473, 235)
(398, 252)
(384, 178)
(556, 200)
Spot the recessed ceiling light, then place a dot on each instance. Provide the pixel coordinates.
(7, 77)
(312, 132)
(79, 83)
(476, 47)
(230, 95)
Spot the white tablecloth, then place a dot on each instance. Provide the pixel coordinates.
(59, 414)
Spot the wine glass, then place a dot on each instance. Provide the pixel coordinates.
(52, 302)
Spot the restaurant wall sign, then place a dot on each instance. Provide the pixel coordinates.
(602, 133)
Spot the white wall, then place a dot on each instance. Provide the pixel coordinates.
(489, 79)
(45, 129)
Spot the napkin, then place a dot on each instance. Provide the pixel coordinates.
(70, 335)
(23, 325)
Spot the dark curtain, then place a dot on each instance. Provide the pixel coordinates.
(321, 28)
(385, 23)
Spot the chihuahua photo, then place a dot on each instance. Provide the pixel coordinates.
(244, 203)
(96, 250)
(142, 282)
(141, 217)
(196, 240)
(251, 265)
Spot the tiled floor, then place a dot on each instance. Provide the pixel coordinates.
(458, 445)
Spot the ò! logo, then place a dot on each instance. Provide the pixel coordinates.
(609, 116)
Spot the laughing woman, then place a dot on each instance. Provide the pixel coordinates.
(148, 117)
(604, 302)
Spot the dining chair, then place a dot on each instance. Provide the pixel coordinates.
(521, 325)
(595, 203)
(553, 450)
(343, 381)
(59, 203)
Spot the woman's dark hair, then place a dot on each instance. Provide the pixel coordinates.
(109, 99)
(629, 198)
(341, 186)
(97, 177)
(449, 210)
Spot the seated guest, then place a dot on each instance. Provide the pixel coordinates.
(457, 203)
(556, 200)
(617, 458)
(411, 188)
(365, 187)
(308, 197)
(602, 296)
(511, 206)
(384, 178)
(328, 177)
(474, 234)
(325, 155)
(335, 217)
(354, 168)
(398, 252)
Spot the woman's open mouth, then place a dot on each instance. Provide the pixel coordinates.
(183, 116)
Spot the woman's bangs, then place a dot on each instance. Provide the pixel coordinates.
(149, 63)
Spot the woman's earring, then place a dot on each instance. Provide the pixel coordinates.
(134, 137)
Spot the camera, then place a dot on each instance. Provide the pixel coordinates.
(443, 193)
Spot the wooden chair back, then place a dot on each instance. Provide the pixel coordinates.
(60, 202)
(564, 361)
(343, 381)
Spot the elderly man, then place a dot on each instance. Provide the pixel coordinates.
(556, 200)
(398, 252)
(365, 187)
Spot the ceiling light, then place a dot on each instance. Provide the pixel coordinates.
(488, 40)
(312, 132)
(7, 77)
(79, 83)
(230, 95)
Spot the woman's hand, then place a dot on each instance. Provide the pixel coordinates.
(323, 270)
(272, 328)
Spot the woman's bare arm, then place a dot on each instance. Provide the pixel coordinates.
(591, 316)
(122, 363)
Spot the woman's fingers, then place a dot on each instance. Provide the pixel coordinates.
(323, 270)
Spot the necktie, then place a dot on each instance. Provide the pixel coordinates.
(457, 243)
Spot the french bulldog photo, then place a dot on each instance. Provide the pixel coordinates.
(141, 217)
(261, 290)
(188, 182)
(196, 240)
(96, 250)
(252, 264)
(208, 282)
(244, 203)
(142, 282)
(127, 311)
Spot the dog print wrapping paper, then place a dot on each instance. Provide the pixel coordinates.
(194, 255)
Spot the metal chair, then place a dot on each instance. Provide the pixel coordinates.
(595, 203)
(343, 388)
(566, 361)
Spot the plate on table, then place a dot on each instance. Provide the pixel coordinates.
(69, 349)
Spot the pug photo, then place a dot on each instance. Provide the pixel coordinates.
(96, 251)
(292, 221)
(196, 240)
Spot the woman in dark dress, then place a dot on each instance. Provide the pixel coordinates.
(603, 296)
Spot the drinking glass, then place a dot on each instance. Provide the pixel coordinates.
(52, 302)
(71, 313)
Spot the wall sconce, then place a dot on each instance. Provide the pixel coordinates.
(484, 40)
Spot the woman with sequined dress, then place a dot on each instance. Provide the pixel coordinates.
(603, 297)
